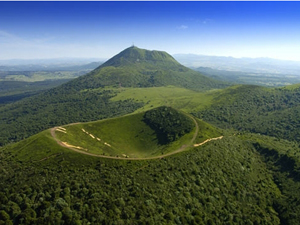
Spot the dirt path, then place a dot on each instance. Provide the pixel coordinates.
(181, 149)
(207, 140)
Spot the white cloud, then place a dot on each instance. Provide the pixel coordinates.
(182, 27)
(206, 21)
(14, 47)
(4, 34)
(8, 37)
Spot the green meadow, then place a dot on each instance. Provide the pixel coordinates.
(125, 137)
(176, 97)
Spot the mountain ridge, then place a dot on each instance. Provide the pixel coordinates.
(256, 65)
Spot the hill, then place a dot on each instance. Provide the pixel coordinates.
(269, 111)
(134, 136)
(134, 67)
(88, 98)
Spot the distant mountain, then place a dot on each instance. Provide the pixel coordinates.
(39, 65)
(240, 77)
(53, 61)
(256, 65)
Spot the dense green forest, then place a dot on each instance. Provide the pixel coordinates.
(168, 123)
(282, 159)
(222, 182)
(12, 91)
(273, 112)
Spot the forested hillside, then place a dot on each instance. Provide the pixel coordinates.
(282, 159)
(221, 182)
(12, 91)
(273, 112)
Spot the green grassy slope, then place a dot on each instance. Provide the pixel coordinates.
(179, 98)
(35, 148)
(239, 178)
(127, 136)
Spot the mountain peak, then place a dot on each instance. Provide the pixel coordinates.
(134, 55)
(135, 67)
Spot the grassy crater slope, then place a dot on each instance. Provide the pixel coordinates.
(132, 136)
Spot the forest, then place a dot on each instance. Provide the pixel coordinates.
(168, 123)
(272, 112)
(219, 183)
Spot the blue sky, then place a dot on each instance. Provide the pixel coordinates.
(34, 30)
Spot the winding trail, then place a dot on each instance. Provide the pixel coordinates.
(207, 140)
(181, 149)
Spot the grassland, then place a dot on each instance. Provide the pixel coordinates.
(125, 137)
(36, 148)
(179, 98)
(291, 87)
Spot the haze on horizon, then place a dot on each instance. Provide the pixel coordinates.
(42, 30)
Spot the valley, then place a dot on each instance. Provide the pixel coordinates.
(22, 81)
